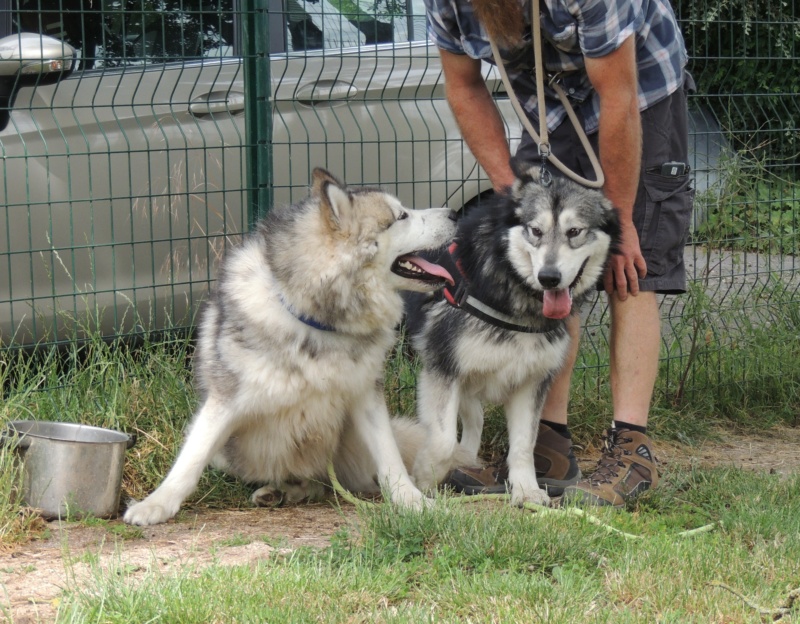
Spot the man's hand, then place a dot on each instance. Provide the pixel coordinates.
(620, 146)
(626, 267)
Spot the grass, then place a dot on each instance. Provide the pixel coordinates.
(730, 363)
(753, 209)
(488, 562)
(144, 390)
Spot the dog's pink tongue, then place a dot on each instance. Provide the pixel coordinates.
(430, 268)
(557, 303)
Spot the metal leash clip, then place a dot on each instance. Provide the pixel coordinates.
(545, 177)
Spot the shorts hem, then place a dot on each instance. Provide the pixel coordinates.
(664, 287)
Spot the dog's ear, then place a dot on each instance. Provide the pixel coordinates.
(525, 171)
(334, 198)
(320, 177)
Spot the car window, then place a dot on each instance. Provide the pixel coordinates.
(331, 24)
(119, 33)
(114, 33)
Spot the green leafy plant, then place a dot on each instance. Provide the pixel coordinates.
(739, 55)
(754, 210)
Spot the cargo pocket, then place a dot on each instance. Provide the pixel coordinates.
(668, 211)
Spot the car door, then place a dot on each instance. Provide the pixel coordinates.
(120, 180)
(361, 90)
(123, 177)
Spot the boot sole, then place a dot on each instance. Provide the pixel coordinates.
(553, 487)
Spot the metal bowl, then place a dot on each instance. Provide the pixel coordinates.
(70, 470)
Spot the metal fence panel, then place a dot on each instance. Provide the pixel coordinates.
(124, 178)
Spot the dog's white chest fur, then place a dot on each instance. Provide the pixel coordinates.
(490, 371)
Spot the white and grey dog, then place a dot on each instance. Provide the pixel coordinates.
(291, 350)
(522, 265)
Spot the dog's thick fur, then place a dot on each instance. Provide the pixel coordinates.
(291, 349)
(529, 259)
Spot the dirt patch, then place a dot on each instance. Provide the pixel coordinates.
(33, 576)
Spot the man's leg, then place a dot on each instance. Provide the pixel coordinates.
(627, 467)
(555, 461)
(635, 346)
(557, 403)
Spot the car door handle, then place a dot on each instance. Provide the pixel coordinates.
(325, 93)
(217, 103)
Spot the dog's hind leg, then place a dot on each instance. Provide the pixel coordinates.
(471, 413)
(288, 492)
(210, 429)
(437, 408)
(523, 412)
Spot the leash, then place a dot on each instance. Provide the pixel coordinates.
(338, 488)
(542, 136)
(461, 299)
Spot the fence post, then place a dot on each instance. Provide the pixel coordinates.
(258, 108)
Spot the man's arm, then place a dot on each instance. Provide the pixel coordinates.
(614, 77)
(477, 116)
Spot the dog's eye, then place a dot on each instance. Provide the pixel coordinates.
(536, 232)
(573, 232)
(402, 215)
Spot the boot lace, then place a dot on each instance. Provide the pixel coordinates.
(611, 459)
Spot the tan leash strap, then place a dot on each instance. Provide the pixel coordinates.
(541, 138)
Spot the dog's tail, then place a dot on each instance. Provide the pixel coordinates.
(411, 436)
(354, 467)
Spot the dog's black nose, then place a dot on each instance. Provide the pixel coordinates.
(549, 277)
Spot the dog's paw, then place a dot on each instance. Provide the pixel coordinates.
(427, 477)
(410, 497)
(424, 484)
(267, 496)
(305, 490)
(150, 511)
(529, 494)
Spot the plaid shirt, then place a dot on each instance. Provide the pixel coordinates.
(573, 29)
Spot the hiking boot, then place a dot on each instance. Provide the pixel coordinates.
(490, 479)
(556, 468)
(626, 469)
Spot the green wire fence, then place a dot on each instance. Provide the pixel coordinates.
(139, 138)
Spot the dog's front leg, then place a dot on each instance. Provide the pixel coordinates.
(471, 413)
(437, 409)
(371, 421)
(523, 412)
(209, 431)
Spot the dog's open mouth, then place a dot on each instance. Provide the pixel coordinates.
(557, 302)
(416, 268)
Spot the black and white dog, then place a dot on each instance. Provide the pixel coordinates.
(523, 263)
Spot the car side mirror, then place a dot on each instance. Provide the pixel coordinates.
(26, 57)
(29, 54)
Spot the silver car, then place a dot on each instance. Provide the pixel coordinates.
(124, 147)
